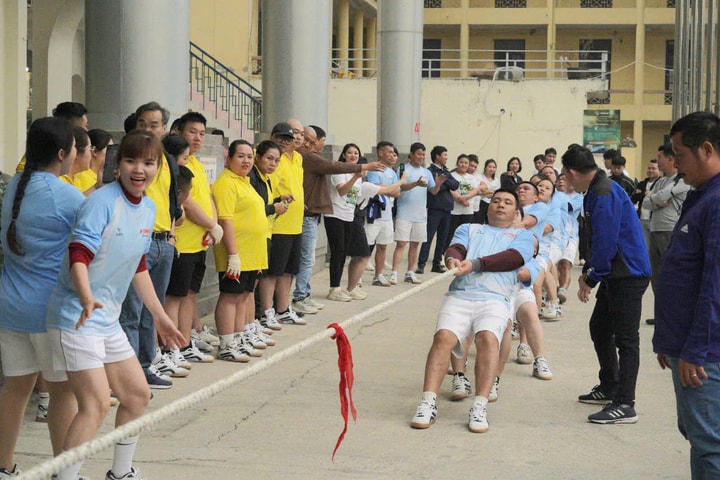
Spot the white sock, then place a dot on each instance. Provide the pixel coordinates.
(247, 328)
(44, 399)
(69, 473)
(479, 400)
(429, 397)
(226, 339)
(270, 312)
(123, 457)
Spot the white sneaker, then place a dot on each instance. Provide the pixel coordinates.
(250, 336)
(393, 278)
(4, 473)
(232, 353)
(461, 387)
(562, 295)
(314, 303)
(164, 364)
(524, 354)
(478, 419)
(541, 369)
(356, 293)
(133, 474)
(209, 335)
(267, 339)
(201, 344)
(380, 281)
(424, 415)
(337, 294)
(290, 318)
(179, 360)
(245, 346)
(550, 312)
(263, 329)
(411, 277)
(494, 391)
(193, 354)
(269, 320)
(304, 307)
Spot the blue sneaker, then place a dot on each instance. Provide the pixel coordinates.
(157, 381)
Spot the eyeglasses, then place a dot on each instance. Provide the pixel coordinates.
(284, 140)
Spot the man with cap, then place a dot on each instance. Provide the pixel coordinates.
(286, 241)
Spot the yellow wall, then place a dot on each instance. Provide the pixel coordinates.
(227, 29)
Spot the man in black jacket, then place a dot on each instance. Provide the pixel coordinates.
(439, 206)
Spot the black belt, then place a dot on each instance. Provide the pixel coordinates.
(161, 236)
(313, 215)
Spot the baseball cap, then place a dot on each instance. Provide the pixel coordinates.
(282, 129)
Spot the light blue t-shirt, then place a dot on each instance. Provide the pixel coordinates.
(554, 218)
(412, 204)
(571, 216)
(540, 211)
(119, 234)
(386, 177)
(481, 241)
(47, 214)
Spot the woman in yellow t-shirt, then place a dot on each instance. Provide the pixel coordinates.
(81, 175)
(240, 256)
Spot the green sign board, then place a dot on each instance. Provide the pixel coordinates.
(601, 130)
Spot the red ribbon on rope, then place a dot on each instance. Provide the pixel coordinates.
(345, 365)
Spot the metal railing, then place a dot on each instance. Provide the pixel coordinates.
(223, 91)
(543, 4)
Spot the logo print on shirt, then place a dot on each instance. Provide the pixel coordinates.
(144, 231)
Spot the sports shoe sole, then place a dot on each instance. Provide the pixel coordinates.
(422, 426)
(459, 396)
(599, 401)
(541, 377)
(478, 430)
(616, 421)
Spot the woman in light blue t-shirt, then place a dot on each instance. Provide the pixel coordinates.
(37, 215)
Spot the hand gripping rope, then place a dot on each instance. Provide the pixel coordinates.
(334, 331)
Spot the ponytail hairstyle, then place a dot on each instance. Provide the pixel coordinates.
(46, 138)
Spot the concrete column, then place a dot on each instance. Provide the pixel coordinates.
(551, 43)
(14, 92)
(343, 36)
(639, 86)
(136, 52)
(296, 61)
(400, 46)
(358, 40)
(371, 58)
(464, 38)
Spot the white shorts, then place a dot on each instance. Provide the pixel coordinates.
(23, 353)
(570, 251)
(407, 231)
(379, 232)
(521, 297)
(464, 317)
(555, 254)
(74, 352)
(543, 260)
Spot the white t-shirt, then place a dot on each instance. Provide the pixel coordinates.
(492, 185)
(467, 183)
(359, 194)
(477, 198)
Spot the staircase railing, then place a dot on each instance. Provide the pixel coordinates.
(222, 90)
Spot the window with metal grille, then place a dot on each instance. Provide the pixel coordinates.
(591, 55)
(431, 57)
(596, 3)
(433, 3)
(510, 3)
(669, 65)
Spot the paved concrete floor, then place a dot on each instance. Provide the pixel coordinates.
(283, 423)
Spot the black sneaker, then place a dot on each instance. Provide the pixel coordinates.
(154, 380)
(596, 396)
(420, 269)
(615, 413)
(439, 268)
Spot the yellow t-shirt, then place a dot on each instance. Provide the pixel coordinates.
(190, 235)
(288, 179)
(21, 165)
(159, 192)
(85, 180)
(237, 200)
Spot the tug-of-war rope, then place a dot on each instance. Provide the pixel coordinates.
(334, 331)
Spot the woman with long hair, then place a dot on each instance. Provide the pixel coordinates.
(488, 177)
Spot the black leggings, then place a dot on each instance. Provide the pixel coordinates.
(338, 236)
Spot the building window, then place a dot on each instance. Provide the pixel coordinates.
(431, 57)
(591, 60)
(433, 3)
(669, 66)
(510, 3)
(596, 3)
(509, 53)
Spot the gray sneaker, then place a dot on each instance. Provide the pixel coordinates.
(303, 306)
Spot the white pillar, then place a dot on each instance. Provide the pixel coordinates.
(136, 52)
(14, 91)
(296, 61)
(400, 38)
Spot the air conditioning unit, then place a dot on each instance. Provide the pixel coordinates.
(512, 74)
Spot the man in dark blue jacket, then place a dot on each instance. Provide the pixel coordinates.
(439, 206)
(687, 294)
(619, 263)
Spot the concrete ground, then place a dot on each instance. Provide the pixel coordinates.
(283, 423)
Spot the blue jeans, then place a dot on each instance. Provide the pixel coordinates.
(135, 319)
(307, 258)
(698, 411)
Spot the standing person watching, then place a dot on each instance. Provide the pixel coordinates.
(620, 264)
(510, 179)
(687, 303)
(37, 216)
(642, 190)
(492, 183)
